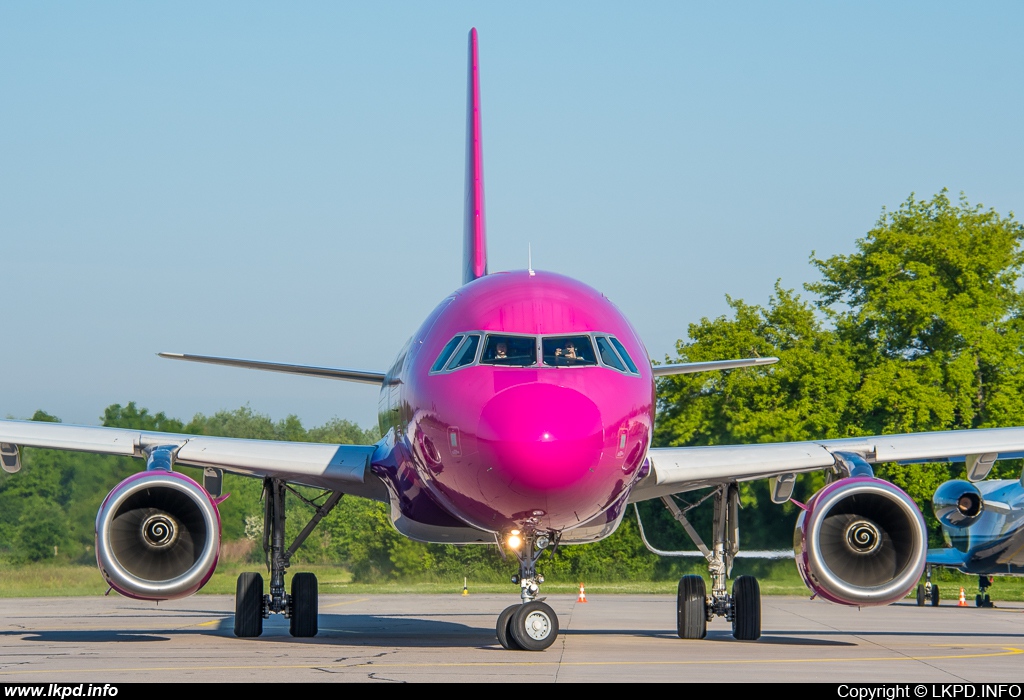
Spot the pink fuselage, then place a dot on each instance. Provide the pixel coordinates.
(536, 448)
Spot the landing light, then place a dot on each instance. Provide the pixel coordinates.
(514, 541)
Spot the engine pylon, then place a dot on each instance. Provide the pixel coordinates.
(583, 594)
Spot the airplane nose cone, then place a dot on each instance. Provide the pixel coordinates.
(541, 436)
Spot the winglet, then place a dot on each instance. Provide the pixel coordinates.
(474, 250)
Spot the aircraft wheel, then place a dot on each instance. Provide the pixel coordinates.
(978, 603)
(920, 595)
(691, 615)
(534, 626)
(249, 605)
(305, 606)
(503, 628)
(986, 602)
(935, 596)
(746, 614)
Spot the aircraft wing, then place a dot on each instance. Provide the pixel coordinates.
(348, 375)
(715, 365)
(678, 469)
(335, 467)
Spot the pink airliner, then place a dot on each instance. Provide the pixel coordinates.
(519, 415)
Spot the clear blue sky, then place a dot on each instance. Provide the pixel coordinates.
(284, 181)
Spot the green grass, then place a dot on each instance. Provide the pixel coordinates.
(776, 578)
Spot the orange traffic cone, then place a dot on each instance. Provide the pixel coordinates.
(963, 599)
(583, 595)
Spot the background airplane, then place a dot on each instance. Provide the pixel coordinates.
(519, 414)
(982, 524)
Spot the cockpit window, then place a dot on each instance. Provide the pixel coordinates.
(624, 355)
(502, 350)
(446, 353)
(568, 351)
(608, 355)
(509, 350)
(466, 353)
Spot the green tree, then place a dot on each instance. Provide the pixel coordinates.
(804, 396)
(919, 329)
(930, 306)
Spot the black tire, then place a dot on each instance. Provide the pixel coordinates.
(978, 603)
(691, 610)
(534, 626)
(935, 596)
(504, 631)
(920, 595)
(304, 606)
(746, 613)
(986, 601)
(249, 605)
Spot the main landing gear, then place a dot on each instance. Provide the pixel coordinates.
(927, 592)
(300, 606)
(694, 607)
(530, 625)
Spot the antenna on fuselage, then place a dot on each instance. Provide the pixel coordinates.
(529, 258)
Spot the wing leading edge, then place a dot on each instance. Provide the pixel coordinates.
(678, 469)
(335, 467)
(712, 366)
(348, 375)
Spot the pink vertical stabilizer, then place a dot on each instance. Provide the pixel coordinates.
(474, 251)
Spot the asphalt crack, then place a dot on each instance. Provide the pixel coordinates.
(375, 677)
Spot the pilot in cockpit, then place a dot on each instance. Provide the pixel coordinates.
(501, 351)
(568, 353)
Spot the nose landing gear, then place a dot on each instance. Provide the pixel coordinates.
(982, 600)
(531, 625)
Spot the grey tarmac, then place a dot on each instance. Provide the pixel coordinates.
(617, 638)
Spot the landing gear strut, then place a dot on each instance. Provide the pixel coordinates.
(927, 591)
(694, 607)
(300, 607)
(531, 625)
(982, 600)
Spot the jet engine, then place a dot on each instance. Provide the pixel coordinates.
(157, 536)
(957, 504)
(861, 541)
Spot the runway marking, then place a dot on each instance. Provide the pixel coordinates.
(1007, 651)
(347, 602)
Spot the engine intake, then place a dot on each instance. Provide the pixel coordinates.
(861, 541)
(157, 536)
(957, 504)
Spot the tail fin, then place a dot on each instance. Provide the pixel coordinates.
(474, 249)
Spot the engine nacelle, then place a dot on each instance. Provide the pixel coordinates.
(861, 541)
(157, 536)
(957, 504)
